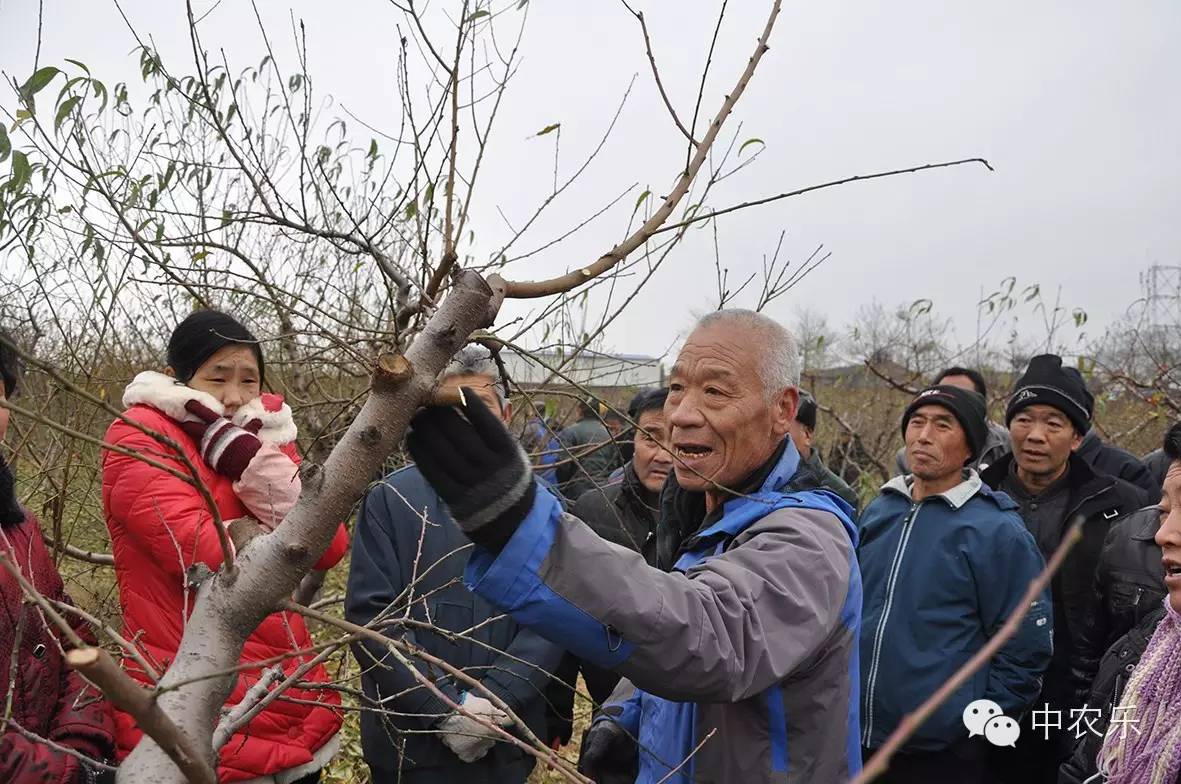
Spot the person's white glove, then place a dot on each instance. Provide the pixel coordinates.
(468, 738)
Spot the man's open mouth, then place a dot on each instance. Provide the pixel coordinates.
(692, 451)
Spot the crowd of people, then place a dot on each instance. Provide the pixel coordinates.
(735, 611)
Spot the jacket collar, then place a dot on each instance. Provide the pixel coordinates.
(169, 396)
(956, 497)
(1143, 524)
(1081, 478)
(682, 512)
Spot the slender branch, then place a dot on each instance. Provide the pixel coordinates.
(571, 280)
(821, 186)
(639, 15)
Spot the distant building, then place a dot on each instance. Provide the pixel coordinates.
(590, 369)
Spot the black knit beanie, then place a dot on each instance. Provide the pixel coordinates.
(1047, 382)
(201, 335)
(806, 413)
(966, 405)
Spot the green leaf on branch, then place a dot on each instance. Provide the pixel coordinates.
(5, 144)
(749, 142)
(641, 200)
(37, 82)
(21, 171)
(476, 15)
(64, 110)
(79, 64)
(549, 129)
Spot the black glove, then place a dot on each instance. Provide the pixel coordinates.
(608, 755)
(476, 467)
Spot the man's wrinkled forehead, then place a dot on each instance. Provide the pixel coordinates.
(717, 349)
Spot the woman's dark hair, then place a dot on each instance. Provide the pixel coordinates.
(1172, 444)
(10, 364)
(203, 334)
(977, 379)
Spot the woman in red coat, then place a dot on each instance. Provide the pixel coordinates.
(49, 701)
(241, 442)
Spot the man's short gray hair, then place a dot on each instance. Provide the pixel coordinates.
(476, 361)
(779, 364)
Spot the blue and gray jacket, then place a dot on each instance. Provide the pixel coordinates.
(750, 640)
(941, 576)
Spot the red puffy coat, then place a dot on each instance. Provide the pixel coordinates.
(48, 698)
(159, 526)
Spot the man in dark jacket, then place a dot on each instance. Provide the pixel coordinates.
(803, 433)
(1130, 578)
(1156, 463)
(408, 557)
(996, 444)
(944, 562)
(624, 512)
(1048, 415)
(1135, 559)
(1110, 460)
(740, 663)
(590, 452)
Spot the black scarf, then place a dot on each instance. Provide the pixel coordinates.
(10, 511)
(682, 512)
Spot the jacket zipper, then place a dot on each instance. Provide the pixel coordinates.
(880, 632)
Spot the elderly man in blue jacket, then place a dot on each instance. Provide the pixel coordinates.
(408, 558)
(739, 651)
(945, 561)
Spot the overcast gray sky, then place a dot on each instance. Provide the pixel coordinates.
(1076, 104)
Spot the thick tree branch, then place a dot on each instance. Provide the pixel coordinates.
(99, 668)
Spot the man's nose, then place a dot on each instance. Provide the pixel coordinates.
(1169, 533)
(685, 412)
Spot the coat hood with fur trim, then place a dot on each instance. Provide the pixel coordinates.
(168, 395)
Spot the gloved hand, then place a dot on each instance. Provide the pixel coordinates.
(608, 754)
(225, 447)
(476, 467)
(465, 736)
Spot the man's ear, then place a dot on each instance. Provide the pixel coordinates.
(506, 411)
(786, 404)
(168, 371)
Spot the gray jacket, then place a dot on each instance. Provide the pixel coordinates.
(752, 636)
